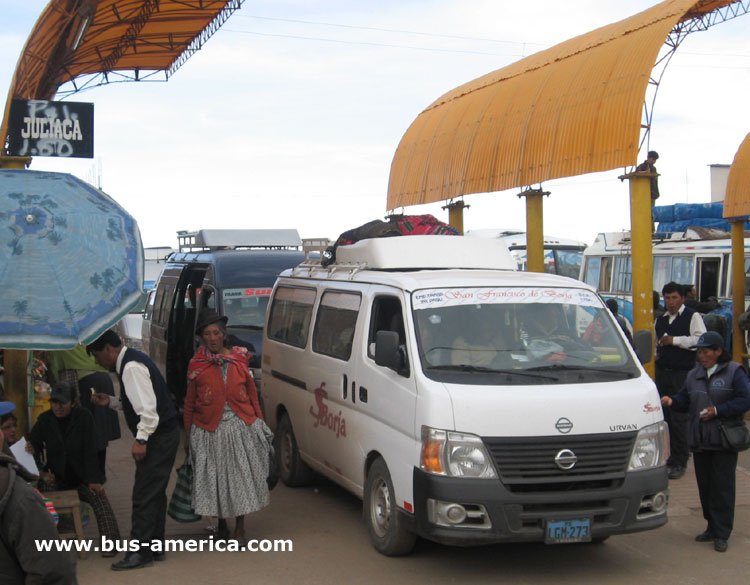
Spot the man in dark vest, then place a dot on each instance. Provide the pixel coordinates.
(152, 418)
(677, 333)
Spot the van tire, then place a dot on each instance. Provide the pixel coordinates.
(388, 531)
(292, 470)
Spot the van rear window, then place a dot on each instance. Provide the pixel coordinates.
(291, 313)
(334, 326)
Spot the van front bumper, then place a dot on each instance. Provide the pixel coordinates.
(488, 512)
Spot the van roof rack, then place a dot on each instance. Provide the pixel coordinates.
(314, 247)
(227, 239)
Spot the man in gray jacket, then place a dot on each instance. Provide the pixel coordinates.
(23, 520)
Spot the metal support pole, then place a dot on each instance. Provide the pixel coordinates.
(738, 288)
(534, 229)
(456, 214)
(641, 231)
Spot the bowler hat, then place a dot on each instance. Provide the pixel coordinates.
(61, 393)
(6, 407)
(710, 339)
(208, 317)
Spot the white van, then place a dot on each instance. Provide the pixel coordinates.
(464, 401)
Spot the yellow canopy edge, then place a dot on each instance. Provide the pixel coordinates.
(72, 38)
(569, 110)
(737, 200)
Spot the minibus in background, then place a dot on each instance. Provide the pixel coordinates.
(561, 256)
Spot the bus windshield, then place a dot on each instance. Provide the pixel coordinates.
(517, 335)
(246, 307)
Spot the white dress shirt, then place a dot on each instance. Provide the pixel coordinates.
(697, 328)
(140, 391)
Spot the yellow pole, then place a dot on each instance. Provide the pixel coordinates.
(641, 231)
(14, 162)
(16, 378)
(456, 214)
(534, 229)
(738, 289)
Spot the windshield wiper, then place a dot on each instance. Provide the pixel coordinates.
(253, 327)
(486, 370)
(565, 367)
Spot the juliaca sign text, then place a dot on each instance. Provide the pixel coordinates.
(44, 128)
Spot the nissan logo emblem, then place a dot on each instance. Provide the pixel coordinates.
(566, 459)
(564, 425)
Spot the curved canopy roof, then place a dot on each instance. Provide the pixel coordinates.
(737, 200)
(75, 38)
(572, 109)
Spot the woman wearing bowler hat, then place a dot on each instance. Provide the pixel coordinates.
(715, 389)
(228, 439)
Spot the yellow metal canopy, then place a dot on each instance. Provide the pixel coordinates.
(75, 38)
(737, 200)
(572, 109)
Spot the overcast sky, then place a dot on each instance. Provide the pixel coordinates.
(290, 115)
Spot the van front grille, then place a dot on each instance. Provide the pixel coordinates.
(527, 464)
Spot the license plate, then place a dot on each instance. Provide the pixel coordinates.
(563, 531)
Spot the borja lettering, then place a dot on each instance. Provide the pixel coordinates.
(324, 417)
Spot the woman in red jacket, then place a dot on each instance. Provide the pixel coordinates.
(229, 441)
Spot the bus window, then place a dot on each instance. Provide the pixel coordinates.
(682, 269)
(662, 272)
(568, 262)
(605, 278)
(593, 270)
(623, 274)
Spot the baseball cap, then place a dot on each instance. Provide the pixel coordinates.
(710, 339)
(6, 407)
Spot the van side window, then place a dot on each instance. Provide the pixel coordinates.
(387, 315)
(291, 312)
(162, 303)
(149, 310)
(334, 325)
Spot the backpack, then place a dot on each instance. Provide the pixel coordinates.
(397, 225)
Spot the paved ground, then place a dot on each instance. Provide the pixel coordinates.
(330, 542)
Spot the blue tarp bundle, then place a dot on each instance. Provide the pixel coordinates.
(680, 216)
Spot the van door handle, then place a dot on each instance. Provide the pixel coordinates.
(362, 394)
(346, 386)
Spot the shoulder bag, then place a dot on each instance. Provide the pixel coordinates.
(735, 436)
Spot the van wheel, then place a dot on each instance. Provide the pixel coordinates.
(292, 470)
(388, 531)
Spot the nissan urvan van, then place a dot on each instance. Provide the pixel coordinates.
(232, 271)
(464, 401)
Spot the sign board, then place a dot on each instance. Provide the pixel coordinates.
(44, 128)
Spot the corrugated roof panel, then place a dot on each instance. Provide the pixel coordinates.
(72, 38)
(737, 200)
(117, 35)
(572, 109)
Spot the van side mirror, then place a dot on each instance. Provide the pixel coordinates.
(643, 343)
(388, 352)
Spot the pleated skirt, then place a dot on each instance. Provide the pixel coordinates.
(230, 467)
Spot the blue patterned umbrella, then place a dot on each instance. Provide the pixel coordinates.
(71, 261)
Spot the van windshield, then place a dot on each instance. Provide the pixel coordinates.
(519, 335)
(245, 307)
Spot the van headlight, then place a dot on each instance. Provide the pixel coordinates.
(651, 448)
(455, 454)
